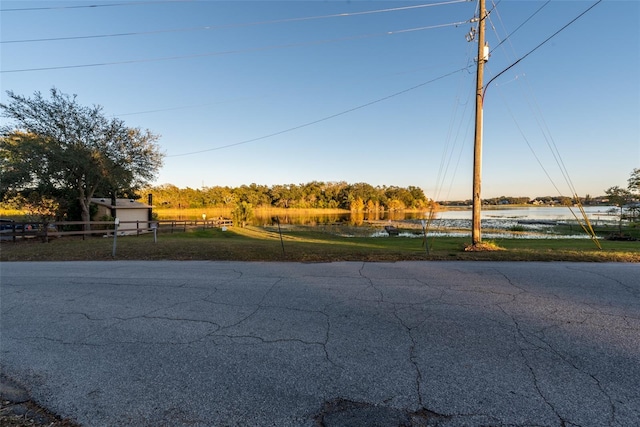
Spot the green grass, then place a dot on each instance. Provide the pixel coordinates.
(602, 230)
(257, 244)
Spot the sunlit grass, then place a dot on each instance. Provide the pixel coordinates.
(192, 213)
(15, 214)
(311, 245)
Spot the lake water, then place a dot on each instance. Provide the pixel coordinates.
(551, 213)
(503, 222)
(546, 213)
(521, 222)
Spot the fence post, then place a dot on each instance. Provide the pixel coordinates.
(115, 236)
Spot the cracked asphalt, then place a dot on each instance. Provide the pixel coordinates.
(134, 343)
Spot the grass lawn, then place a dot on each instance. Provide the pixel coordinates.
(258, 244)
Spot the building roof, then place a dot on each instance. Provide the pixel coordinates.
(120, 203)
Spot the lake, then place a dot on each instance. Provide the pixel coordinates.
(555, 213)
(497, 221)
(500, 222)
(548, 213)
(523, 222)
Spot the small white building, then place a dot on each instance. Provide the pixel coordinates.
(133, 215)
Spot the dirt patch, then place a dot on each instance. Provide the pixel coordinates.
(483, 247)
(345, 413)
(18, 410)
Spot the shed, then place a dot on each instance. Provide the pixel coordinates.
(127, 211)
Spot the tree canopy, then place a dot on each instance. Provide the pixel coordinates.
(63, 150)
(634, 182)
(626, 199)
(318, 195)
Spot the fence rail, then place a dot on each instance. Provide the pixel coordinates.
(15, 230)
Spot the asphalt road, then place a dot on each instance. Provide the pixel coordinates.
(337, 344)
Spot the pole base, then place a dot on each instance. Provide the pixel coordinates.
(483, 247)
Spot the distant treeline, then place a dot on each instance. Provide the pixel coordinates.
(314, 195)
(541, 200)
(328, 195)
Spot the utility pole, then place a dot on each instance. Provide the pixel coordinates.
(483, 56)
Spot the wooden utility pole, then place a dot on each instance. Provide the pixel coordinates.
(476, 235)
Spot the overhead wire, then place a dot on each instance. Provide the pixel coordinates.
(182, 107)
(307, 124)
(555, 153)
(464, 138)
(540, 45)
(447, 155)
(254, 49)
(553, 147)
(237, 25)
(537, 113)
(519, 26)
(470, 60)
(448, 152)
(446, 158)
(586, 227)
(264, 95)
(93, 6)
(265, 48)
(235, 51)
(450, 147)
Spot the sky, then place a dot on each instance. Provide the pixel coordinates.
(381, 92)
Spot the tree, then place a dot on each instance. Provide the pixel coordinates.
(395, 205)
(256, 195)
(364, 191)
(242, 213)
(634, 190)
(285, 196)
(619, 197)
(58, 147)
(634, 182)
(42, 208)
(357, 205)
(312, 193)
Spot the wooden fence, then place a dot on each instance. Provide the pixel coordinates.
(14, 231)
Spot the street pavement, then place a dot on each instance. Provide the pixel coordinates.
(326, 344)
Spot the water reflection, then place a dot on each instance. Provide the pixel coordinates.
(457, 218)
(350, 218)
(520, 223)
(533, 213)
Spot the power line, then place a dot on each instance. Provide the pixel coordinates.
(451, 141)
(208, 104)
(291, 129)
(540, 45)
(553, 148)
(519, 26)
(246, 24)
(184, 107)
(229, 52)
(85, 6)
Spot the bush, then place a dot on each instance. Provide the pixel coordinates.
(242, 214)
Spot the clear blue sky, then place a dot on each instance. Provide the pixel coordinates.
(279, 92)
